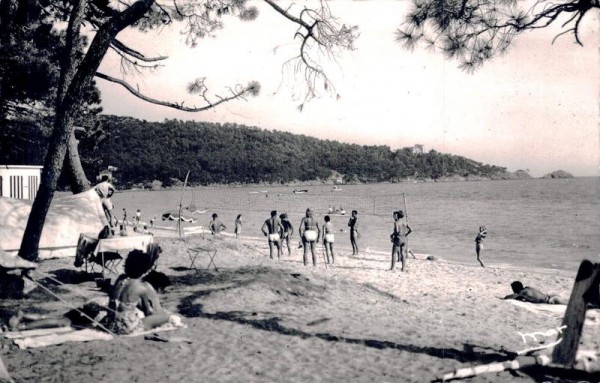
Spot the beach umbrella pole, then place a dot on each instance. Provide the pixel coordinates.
(179, 226)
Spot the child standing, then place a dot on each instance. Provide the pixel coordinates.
(479, 243)
(238, 225)
(353, 223)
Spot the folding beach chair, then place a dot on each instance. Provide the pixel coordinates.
(108, 260)
(195, 251)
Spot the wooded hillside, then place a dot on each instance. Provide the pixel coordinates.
(231, 153)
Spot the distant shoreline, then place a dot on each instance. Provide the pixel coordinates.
(332, 183)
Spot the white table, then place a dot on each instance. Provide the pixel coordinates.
(117, 244)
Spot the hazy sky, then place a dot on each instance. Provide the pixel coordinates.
(536, 108)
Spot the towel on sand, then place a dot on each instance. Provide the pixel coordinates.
(50, 337)
(592, 316)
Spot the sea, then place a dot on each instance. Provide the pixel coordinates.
(549, 224)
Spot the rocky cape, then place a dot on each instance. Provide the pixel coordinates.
(558, 174)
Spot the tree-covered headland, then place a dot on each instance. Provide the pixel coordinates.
(235, 154)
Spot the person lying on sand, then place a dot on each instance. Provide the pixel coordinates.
(89, 315)
(533, 295)
(133, 305)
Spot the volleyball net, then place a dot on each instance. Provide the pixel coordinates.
(323, 203)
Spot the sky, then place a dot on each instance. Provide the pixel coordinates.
(534, 108)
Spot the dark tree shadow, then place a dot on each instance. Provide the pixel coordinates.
(334, 266)
(560, 374)
(71, 277)
(469, 352)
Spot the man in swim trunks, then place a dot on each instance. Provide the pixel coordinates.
(288, 231)
(215, 225)
(310, 234)
(273, 228)
(353, 223)
(398, 237)
(532, 295)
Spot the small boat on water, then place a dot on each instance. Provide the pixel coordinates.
(300, 191)
(336, 188)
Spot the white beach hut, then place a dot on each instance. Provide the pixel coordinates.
(19, 181)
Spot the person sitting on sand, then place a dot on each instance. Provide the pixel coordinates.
(215, 225)
(134, 304)
(288, 231)
(532, 295)
(479, 243)
(398, 238)
(310, 234)
(273, 228)
(353, 223)
(328, 238)
(145, 230)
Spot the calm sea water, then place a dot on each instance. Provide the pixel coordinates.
(537, 223)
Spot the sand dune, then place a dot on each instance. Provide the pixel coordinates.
(263, 320)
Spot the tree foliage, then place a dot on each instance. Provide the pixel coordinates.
(474, 31)
(230, 153)
(200, 18)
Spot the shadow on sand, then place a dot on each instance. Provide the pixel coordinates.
(189, 307)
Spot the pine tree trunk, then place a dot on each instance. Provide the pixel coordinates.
(63, 123)
(77, 179)
(74, 171)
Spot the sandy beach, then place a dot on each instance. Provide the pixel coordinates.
(263, 320)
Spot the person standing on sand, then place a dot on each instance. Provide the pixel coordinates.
(238, 226)
(215, 225)
(124, 217)
(479, 243)
(353, 223)
(398, 238)
(328, 238)
(310, 234)
(288, 231)
(105, 190)
(273, 228)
